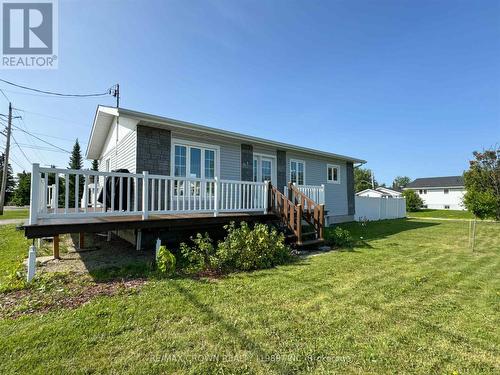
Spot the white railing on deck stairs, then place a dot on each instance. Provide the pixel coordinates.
(120, 194)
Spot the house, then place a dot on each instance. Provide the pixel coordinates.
(160, 174)
(440, 192)
(380, 192)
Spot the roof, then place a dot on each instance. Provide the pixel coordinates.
(388, 190)
(104, 118)
(435, 182)
(359, 193)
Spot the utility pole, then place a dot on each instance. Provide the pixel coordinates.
(6, 161)
(116, 94)
(373, 181)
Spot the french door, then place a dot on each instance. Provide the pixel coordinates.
(263, 169)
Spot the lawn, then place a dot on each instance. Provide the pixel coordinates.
(15, 214)
(442, 214)
(410, 298)
(13, 248)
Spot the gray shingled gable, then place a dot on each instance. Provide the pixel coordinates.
(429, 182)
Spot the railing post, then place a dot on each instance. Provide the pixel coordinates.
(290, 192)
(216, 196)
(321, 221)
(299, 224)
(322, 195)
(35, 193)
(266, 196)
(145, 195)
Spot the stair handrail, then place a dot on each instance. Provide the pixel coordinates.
(289, 212)
(313, 212)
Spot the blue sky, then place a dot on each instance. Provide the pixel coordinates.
(411, 86)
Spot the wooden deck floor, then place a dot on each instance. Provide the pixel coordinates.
(51, 227)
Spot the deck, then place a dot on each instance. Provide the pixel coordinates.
(51, 227)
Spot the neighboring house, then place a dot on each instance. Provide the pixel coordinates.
(163, 146)
(379, 193)
(440, 192)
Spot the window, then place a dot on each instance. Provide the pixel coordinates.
(333, 174)
(446, 207)
(422, 191)
(297, 172)
(193, 161)
(266, 169)
(446, 191)
(180, 161)
(262, 168)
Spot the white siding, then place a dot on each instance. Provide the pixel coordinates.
(125, 158)
(435, 198)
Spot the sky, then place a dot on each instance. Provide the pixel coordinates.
(413, 87)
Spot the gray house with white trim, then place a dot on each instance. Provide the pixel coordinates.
(126, 139)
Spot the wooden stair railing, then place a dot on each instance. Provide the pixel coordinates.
(289, 213)
(312, 212)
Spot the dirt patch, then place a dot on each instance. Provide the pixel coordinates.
(68, 291)
(100, 254)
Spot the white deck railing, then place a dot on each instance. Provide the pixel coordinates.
(54, 194)
(315, 192)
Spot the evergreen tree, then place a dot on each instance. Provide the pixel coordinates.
(11, 184)
(95, 165)
(75, 162)
(21, 195)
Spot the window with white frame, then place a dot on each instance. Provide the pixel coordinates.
(446, 191)
(333, 174)
(262, 168)
(193, 161)
(297, 172)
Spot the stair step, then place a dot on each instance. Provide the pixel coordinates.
(308, 233)
(310, 243)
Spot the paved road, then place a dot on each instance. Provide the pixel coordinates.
(12, 221)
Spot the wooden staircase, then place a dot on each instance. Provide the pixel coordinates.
(302, 219)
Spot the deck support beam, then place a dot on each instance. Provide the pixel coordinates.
(138, 241)
(81, 241)
(55, 247)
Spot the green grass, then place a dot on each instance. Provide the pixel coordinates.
(442, 214)
(13, 249)
(410, 298)
(15, 214)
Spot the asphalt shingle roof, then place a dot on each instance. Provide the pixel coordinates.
(428, 182)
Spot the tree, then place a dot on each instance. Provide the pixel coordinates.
(95, 165)
(400, 182)
(413, 201)
(75, 162)
(11, 184)
(363, 179)
(482, 182)
(21, 195)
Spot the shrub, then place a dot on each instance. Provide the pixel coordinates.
(250, 249)
(339, 237)
(413, 201)
(200, 256)
(165, 261)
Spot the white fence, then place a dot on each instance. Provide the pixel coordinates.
(372, 208)
(120, 194)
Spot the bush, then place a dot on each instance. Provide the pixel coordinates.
(250, 249)
(165, 261)
(339, 238)
(413, 201)
(199, 257)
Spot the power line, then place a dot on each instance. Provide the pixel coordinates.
(40, 139)
(20, 149)
(107, 92)
(52, 117)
